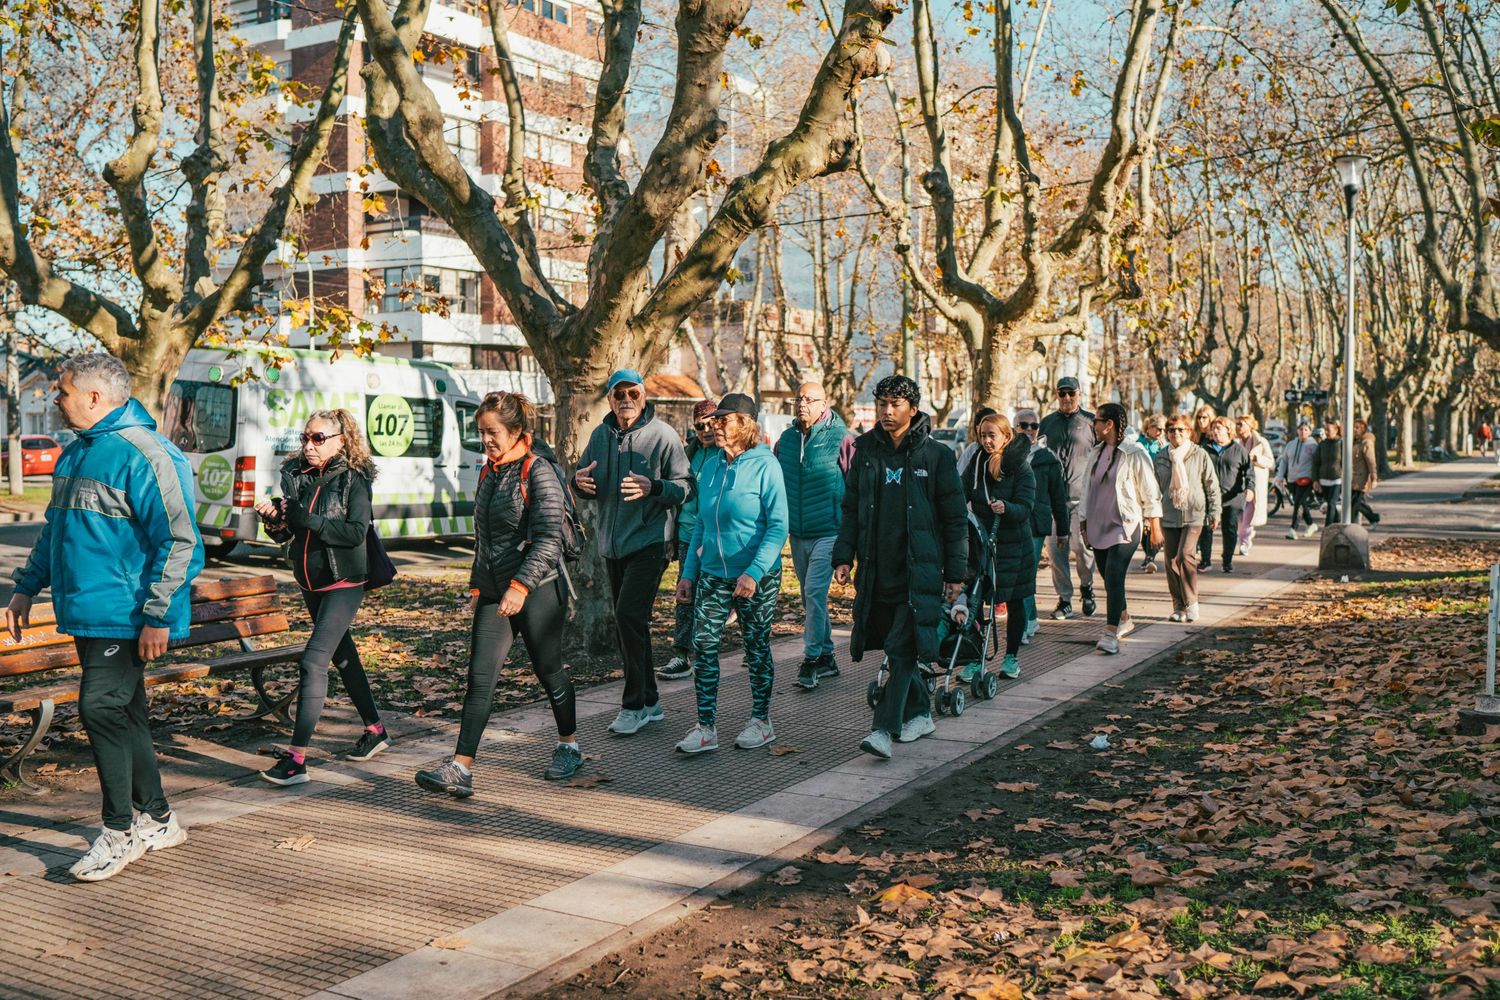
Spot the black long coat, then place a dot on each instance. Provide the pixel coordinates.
(936, 543)
(1015, 555)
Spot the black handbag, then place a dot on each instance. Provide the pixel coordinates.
(379, 568)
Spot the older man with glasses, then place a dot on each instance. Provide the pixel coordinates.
(636, 470)
(1069, 433)
(815, 453)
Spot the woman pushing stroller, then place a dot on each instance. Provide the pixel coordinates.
(1001, 490)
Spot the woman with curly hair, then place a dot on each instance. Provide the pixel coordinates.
(323, 515)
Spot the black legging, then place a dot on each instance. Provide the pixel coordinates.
(1114, 566)
(1229, 532)
(1332, 493)
(540, 622)
(332, 613)
(1015, 624)
(1302, 501)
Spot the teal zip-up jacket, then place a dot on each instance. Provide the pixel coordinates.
(120, 548)
(814, 465)
(742, 520)
(687, 514)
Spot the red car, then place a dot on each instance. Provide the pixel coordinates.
(38, 455)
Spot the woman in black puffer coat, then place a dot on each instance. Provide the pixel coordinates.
(322, 516)
(516, 585)
(1001, 492)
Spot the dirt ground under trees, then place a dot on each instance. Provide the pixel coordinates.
(1286, 809)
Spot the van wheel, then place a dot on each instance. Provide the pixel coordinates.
(217, 550)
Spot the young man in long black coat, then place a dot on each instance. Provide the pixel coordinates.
(904, 526)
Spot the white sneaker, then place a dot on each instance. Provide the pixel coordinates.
(1108, 644)
(112, 851)
(1150, 567)
(1177, 616)
(916, 728)
(1312, 529)
(633, 720)
(699, 739)
(1292, 534)
(1244, 549)
(757, 733)
(1127, 626)
(158, 836)
(1190, 613)
(1032, 627)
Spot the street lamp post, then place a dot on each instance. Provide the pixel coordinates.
(1351, 170)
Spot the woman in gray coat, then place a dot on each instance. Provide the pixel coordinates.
(1189, 505)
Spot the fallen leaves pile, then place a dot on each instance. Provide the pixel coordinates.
(1287, 810)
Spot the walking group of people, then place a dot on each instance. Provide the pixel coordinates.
(923, 535)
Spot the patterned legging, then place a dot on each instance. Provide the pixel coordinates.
(712, 598)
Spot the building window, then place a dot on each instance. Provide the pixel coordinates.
(467, 301)
(463, 138)
(555, 11)
(408, 287)
(472, 65)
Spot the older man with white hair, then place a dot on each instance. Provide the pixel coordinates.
(119, 550)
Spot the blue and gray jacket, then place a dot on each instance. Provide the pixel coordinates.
(120, 548)
(742, 518)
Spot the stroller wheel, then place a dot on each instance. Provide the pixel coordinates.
(872, 694)
(956, 701)
(977, 686)
(991, 685)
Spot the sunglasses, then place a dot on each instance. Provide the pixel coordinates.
(318, 437)
(703, 425)
(1178, 430)
(623, 394)
(1067, 392)
(1026, 426)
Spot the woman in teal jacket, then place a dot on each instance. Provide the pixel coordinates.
(734, 561)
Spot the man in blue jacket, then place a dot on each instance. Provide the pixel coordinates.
(815, 453)
(120, 550)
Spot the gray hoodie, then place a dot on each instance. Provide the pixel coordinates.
(652, 449)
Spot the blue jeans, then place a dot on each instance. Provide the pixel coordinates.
(812, 559)
(1038, 542)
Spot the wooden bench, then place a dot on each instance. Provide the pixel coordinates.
(223, 611)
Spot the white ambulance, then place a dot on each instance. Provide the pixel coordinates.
(417, 415)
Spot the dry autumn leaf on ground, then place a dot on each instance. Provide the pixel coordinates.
(1290, 813)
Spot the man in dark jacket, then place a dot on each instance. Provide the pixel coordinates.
(119, 549)
(815, 453)
(635, 469)
(1069, 433)
(1049, 514)
(904, 524)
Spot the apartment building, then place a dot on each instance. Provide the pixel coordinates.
(388, 257)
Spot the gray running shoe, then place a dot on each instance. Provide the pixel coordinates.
(700, 739)
(677, 668)
(916, 728)
(633, 720)
(566, 760)
(448, 777)
(827, 666)
(757, 733)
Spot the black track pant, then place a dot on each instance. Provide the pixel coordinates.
(540, 623)
(332, 613)
(1114, 566)
(112, 706)
(633, 582)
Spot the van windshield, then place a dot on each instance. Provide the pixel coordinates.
(200, 416)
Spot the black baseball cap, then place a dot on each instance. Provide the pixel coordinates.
(736, 402)
(1068, 382)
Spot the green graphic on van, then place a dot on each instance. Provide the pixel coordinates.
(391, 427)
(214, 478)
(290, 408)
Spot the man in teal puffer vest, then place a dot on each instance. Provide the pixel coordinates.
(120, 550)
(815, 453)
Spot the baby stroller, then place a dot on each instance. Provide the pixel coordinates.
(968, 638)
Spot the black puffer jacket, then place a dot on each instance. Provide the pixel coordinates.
(1014, 553)
(517, 538)
(936, 532)
(1049, 515)
(326, 519)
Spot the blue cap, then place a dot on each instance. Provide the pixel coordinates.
(624, 376)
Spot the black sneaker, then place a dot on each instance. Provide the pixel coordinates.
(1089, 604)
(827, 666)
(286, 771)
(566, 760)
(1063, 611)
(807, 674)
(370, 744)
(676, 669)
(448, 777)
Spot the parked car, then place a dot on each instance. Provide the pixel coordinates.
(38, 455)
(953, 437)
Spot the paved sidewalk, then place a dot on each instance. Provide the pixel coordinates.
(537, 879)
